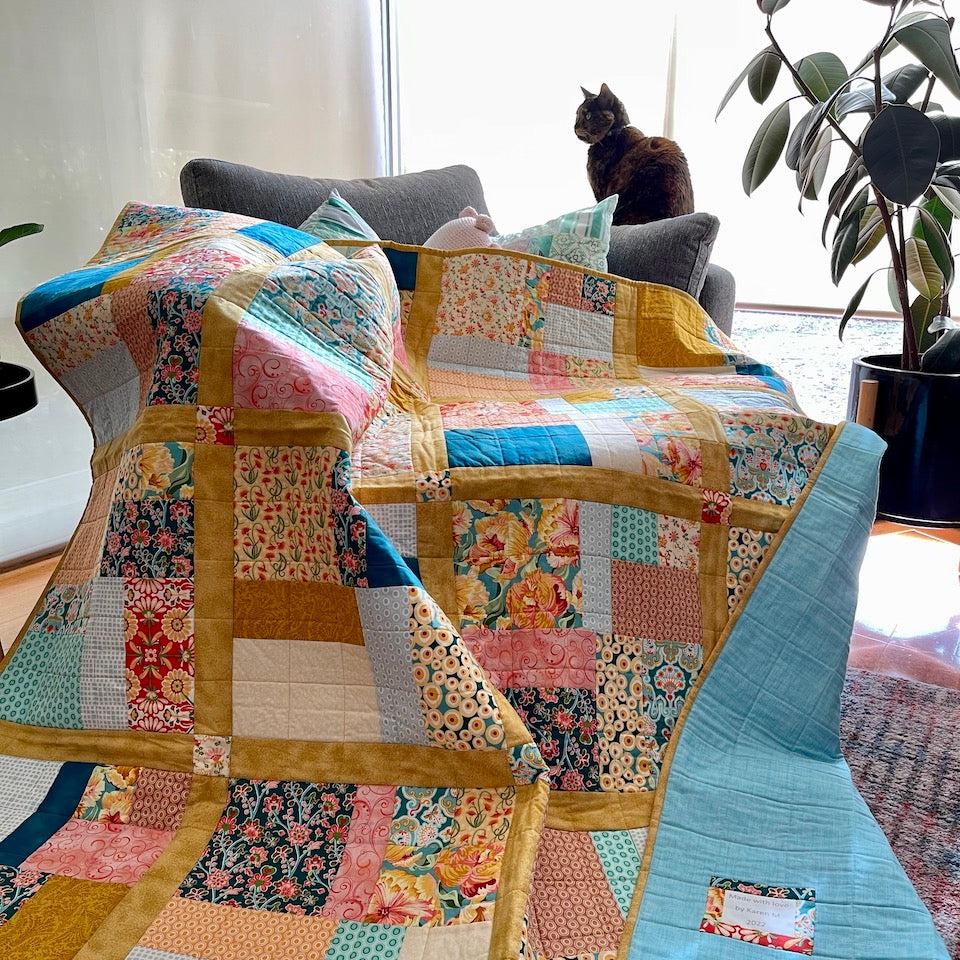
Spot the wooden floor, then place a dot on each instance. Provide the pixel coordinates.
(19, 590)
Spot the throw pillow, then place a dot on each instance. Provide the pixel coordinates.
(335, 219)
(581, 237)
(674, 252)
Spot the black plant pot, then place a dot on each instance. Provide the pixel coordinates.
(18, 390)
(916, 413)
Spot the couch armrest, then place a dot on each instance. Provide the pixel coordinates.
(718, 296)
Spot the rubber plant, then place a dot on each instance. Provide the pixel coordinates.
(900, 182)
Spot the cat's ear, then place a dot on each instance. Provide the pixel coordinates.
(606, 93)
(587, 95)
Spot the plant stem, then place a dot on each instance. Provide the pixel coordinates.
(807, 92)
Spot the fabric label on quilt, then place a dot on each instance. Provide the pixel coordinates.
(768, 916)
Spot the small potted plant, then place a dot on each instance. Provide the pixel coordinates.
(899, 187)
(18, 390)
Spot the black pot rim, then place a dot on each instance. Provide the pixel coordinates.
(890, 363)
(25, 375)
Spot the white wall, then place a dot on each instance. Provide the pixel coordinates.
(103, 101)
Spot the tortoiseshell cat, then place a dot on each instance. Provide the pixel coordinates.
(650, 173)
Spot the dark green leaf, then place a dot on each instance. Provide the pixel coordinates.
(871, 232)
(938, 210)
(744, 73)
(844, 246)
(905, 81)
(763, 76)
(813, 168)
(900, 150)
(770, 7)
(949, 194)
(861, 100)
(823, 73)
(840, 191)
(855, 302)
(8, 234)
(949, 130)
(766, 148)
(923, 312)
(922, 269)
(929, 41)
(792, 156)
(928, 229)
(892, 291)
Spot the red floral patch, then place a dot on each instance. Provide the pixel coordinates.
(158, 617)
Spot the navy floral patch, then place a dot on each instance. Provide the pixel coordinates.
(150, 538)
(563, 722)
(599, 293)
(278, 846)
(349, 526)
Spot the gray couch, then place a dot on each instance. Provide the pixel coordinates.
(410, 207)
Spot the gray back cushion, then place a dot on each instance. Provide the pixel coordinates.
(407, 208)
(673, 252)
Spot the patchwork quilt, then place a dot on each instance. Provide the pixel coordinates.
(433, 605)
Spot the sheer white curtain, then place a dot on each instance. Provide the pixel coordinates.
(103, 101)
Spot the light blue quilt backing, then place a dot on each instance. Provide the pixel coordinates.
(759, 790)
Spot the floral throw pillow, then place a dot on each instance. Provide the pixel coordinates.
(581, 237)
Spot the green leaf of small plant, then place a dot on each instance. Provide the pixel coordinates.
(766, 148)
(9, 234)
(770, 7)
(869, 234)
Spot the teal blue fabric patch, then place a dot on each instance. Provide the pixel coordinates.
(758, 786)
(56, 296)
(621, 863)
(633, 533)
(365, 941)
(285, 240)
(54, 810)
(41, 684)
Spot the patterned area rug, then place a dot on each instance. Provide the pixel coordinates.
(900, 739)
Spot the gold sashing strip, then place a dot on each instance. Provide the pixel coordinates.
(165, 751)
(374, 763)
(222, 314)
(213, 588)
(435, 555)
(213, 509)
(290, 428)
(423, 310)
(625, 324)
(395, 488)
(516, 870)
(155, 424)
(671, 750)
(130, 919)
(599, 811)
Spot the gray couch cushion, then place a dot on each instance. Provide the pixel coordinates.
(407, 208)
(673, 252)
(719, 296)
